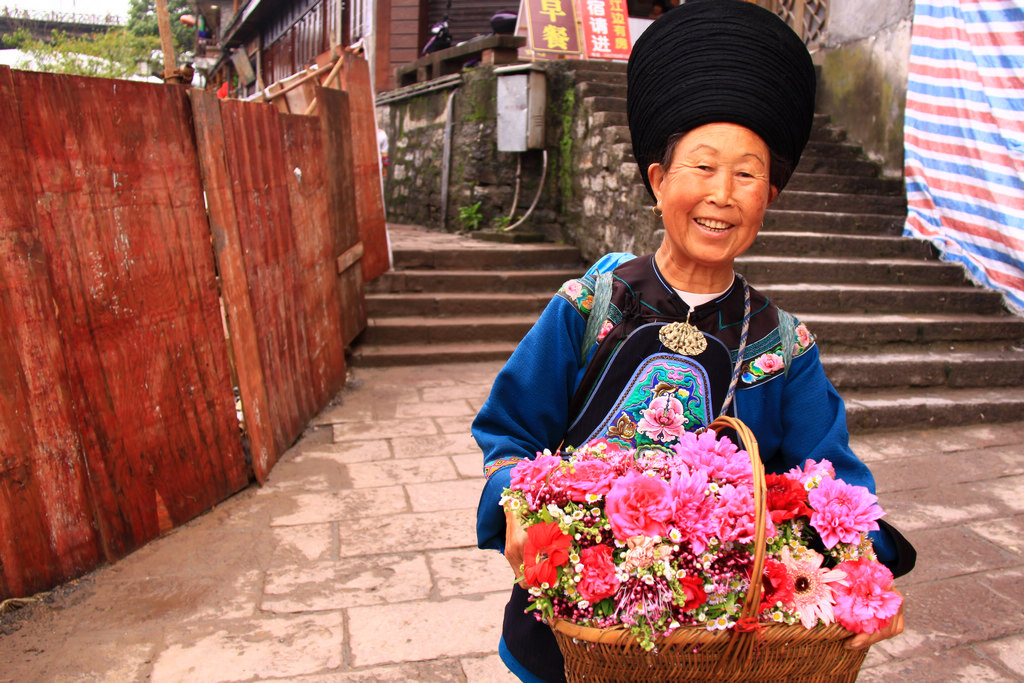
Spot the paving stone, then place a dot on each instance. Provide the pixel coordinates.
(383, 429)
(470, 465)
(356, 451)
(445, 444)
(1007, 532)
(477, 392)
(941, 507)
(329, 506)
(470, 571)
(451, 408)
(425, 630)
(353, 582)
(444, 671)
(455, 425)
(312, 471)
(960, 665)
(956, 551)
(941, 615)
(445, 495)
(943, 469)
(86, 658)
(397, 471)
(303, 544)
(1009, 652)
(897, 444)
(378, 534)
(273, 646)
(487, 670)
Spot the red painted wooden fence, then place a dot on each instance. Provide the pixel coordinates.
(117, 410)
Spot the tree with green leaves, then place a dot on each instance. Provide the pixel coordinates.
(120, 52)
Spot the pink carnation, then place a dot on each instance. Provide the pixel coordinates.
(813, 472)
(598, 580)
(638, 505)
(841, 512)
(720, 458)
(663, 420)
(532, 476)
(735, 514)
(585, 477)
(692, 509)
(865, 605)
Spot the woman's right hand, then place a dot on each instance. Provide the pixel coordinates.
(515, 541)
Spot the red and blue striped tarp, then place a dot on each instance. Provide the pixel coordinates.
(964, 137)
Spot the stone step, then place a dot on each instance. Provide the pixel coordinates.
(454, 304)
(844, 184)
(858, 298)
(925, 369)
(605, 103)
(833, 149)
(778, 221)
(374, 355)
(434, 281)
(810, 163)
(611, 135)
(791, 243)
(609, 118)
(832, 202)
(923, 407)
(600, 88)
(487, 256)
(835, 332)
(764, 270)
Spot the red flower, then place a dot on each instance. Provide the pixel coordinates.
(598, 580)
(547, 549)
(787, 498)
(776, 585)
(693, 592)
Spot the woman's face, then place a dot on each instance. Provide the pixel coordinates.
(713, 196)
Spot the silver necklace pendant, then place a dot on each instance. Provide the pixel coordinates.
(683, 338)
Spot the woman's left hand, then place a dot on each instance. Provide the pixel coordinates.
(894, 628)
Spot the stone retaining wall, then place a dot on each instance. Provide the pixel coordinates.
(592, 196)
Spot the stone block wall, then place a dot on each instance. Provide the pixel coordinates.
(592, 195)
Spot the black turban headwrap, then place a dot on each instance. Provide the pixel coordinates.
(719, 61)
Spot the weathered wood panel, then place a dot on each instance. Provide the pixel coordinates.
(119, 212)
(315, 251)
(335, 122)
(369, 197)
(47, 530)
(227, 243)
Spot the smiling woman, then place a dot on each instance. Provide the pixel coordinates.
(720, 103)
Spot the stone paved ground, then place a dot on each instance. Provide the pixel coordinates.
(356, 562)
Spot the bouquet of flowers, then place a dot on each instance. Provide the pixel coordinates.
(652, 539)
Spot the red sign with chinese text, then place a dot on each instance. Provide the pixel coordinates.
(552, 26)
(605, 28)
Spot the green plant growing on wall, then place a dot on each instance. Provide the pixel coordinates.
(567, 112)
(471, 217)
(502, 222)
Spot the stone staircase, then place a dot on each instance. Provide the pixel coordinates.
(905, 338)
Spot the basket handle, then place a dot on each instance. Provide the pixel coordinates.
(752, 601)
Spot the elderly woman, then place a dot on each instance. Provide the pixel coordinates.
(720, 105)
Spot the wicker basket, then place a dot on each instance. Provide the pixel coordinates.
(774, 652)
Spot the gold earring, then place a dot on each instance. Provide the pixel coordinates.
(656, 210)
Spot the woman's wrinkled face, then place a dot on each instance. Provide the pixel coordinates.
(713, 195)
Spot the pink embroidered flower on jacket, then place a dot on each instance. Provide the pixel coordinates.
(638, 505)
(663, 420)
(804, 338)
(769, 363)
(865, 604)
(573, 288)
(605, 329)
(841, 512)
(812, 586)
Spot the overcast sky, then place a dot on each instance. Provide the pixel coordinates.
(101, 7)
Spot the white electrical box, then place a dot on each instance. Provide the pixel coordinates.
(522, 99)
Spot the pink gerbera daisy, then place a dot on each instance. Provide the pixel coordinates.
(812, 590)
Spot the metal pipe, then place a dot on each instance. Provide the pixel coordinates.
(536, 198)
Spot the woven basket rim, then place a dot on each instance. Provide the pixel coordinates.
(689, 633)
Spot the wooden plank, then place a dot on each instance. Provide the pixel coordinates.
(121, 217)
(253, 140)
(303, 150)
(369, 197)
(47, 530)
(238, 306)
(335, 123)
